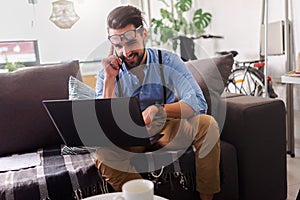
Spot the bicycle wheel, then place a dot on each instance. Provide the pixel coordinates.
(246, 81)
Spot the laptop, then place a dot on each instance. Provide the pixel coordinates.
(100, 122)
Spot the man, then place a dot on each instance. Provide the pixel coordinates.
(133, 70)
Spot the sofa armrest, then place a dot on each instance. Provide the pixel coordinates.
(257, 128)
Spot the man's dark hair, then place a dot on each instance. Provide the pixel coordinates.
(124, 15)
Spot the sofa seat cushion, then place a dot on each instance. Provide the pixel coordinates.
(24, 123)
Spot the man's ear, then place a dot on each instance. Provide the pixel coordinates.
(111, 50)
(145, 34)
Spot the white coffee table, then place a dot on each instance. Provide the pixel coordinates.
(110, 196)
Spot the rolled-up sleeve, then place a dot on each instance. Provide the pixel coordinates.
(99, 84)
(186, 86)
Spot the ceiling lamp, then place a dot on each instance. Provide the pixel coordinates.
(32, 2)
(63, 14)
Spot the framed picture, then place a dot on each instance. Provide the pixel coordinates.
(23, 51)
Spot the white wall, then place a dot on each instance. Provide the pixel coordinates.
(237, 20)
(21, 20)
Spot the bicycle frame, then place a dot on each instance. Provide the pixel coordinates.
(248, 78)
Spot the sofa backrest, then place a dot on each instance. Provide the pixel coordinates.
(24, 123)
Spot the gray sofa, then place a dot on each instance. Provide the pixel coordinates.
(253, 152)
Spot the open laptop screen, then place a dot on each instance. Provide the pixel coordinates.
(99, 122)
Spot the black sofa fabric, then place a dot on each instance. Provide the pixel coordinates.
(24, 123)
(256, 128)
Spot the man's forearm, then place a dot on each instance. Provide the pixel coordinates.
(178, 110)
(109, 88)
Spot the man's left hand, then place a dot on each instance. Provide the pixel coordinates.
(149, 114)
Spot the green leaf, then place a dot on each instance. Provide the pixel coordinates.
(156, 24)
(183, 5)
(175, 22)
(176, 26)
(12, 66)
(166, 34)
(191, 29)
(165, 14)
(201, 20)
(184, 26)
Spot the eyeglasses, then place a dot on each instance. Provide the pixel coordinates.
(128, 35)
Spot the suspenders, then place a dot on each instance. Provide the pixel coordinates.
(119, 86)
(162, 77)
(164, 92)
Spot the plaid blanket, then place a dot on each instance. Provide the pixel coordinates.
(58, 177)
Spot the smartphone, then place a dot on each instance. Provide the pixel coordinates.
(120, 66)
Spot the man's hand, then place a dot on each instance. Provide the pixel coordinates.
(149, 114)
(155, 118)
(111, 66)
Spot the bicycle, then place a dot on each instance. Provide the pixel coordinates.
(247, 78)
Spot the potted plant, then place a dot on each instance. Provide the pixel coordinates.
(12, 66)
(174, 24)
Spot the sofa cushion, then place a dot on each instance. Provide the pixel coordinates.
(24, 123)
(211, 74)
(80, 90)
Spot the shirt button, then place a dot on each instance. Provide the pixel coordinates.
(141, 92)
(135, 83)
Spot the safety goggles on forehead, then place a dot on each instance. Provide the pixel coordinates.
(128, 35)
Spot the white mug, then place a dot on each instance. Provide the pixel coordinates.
(136, 190)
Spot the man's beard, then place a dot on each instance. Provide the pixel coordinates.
(136, 63)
